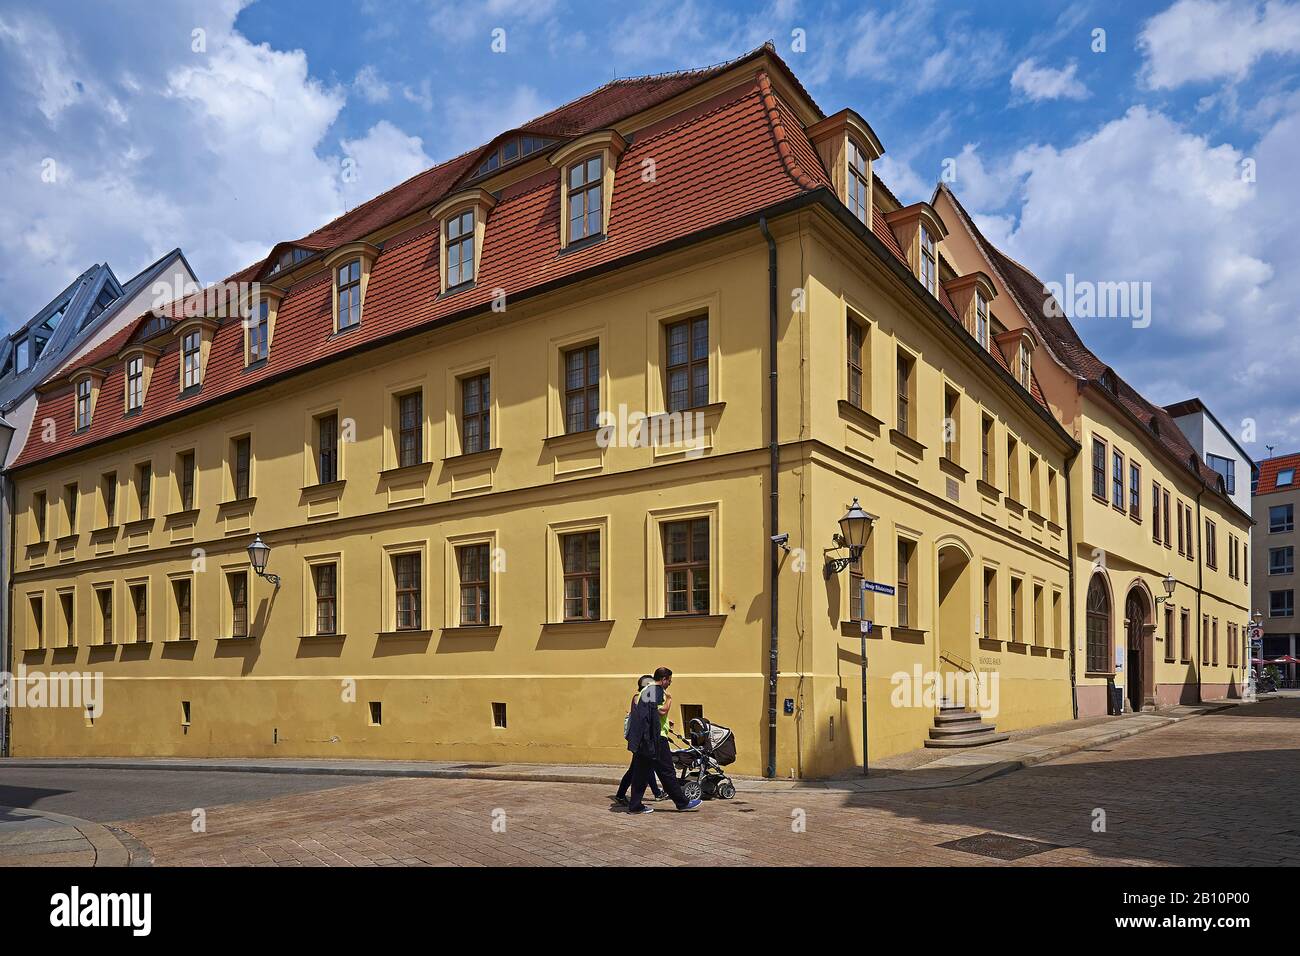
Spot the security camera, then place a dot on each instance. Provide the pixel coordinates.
(780, 539)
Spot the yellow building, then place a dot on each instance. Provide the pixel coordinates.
(514, 436)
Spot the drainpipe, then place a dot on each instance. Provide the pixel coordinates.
(1200, 586)
(1069, 545)
(7, 498)
(774, 454)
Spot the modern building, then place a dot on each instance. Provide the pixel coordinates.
(1216, 447)
(1145, 509)
(1276, 500)
(597, 396)
(92, 307)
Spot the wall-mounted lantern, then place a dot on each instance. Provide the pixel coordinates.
(259, 552)
(854, 528)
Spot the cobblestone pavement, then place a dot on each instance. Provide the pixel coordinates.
(1216, 790)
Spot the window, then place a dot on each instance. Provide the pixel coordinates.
(327, 449)
(1053, 500)
(134, 384)
(474, 564)
(1155, 512)
(951, 424)
(1285, 478)
(105, 599)
(1098, 627)
(903, 379)
(39, 509)
(242, 452)
(237, 584)
(1211, 545)
(181, 594)
(190, 349)
(929, 262)
(1015, 610)
(1185, 637)
(510, 150)
(903, 586)
(83, 404)
(406, 577)
(499, 715)
(986, 446)
(185, 463)
(1214, 642)
(410, 429)
(1191, 541)
(37, 603)
(989, 629)
(859, 191)
(1182, 533)
(686, 566)
(688, 364)
(108, 486)
(1164, 518)
(581, 388)
(1169, 633)
(1227, 468)
(140, 608)
(981, 320)
(1035, 503)
(1117, 479)
(24, 355)
(144, 488)
(348, 280)
(258, 330)
(1037, 609)
(1013, 469)
(460, 248)
(1205, 638)
(853, 337)
(581, 575)
(325, 580)
(1022, 356)
(476, 413)
(1281, 560)
(68, 605)
(1281, 518)
(1135, 490)
(70, 496)
(585, 184)
(1099, 469)
(1281, 603)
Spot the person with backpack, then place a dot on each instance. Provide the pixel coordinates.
(621, 797)
(649, 747)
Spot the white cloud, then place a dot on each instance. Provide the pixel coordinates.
(469, 125)
(983, 187)
(370, 85)
(381, 159)
(456, 21)
(889, 45)
(1198, 40)
(1044, 83)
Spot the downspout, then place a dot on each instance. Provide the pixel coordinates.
(1200, 586)
(1069, 545)
(774, 454)
(7, 496)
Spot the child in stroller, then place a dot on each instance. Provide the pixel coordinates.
(710, 748)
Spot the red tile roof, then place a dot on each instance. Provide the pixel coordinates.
(1268, 469)
(713, 168)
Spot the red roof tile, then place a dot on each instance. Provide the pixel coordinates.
(1268, 469)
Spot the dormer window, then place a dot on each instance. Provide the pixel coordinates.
(858, 186)
(348, 283)
(460, 248)
(919, 230)
(585, 189)
(349, 267)
(982, 320)
(510, 150)
(258, 333)
(83, 404)
(1023, 366)
(929, 262)
(587, 168)
(191, 359)
(135, 384)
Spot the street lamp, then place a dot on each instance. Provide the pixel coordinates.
(258, 553)
(853, 535)
(1170, 583)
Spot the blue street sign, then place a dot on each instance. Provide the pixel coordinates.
(877, 588)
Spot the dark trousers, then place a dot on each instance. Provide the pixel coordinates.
(627, 782)
(661, 765)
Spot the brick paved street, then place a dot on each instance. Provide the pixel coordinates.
(1211, 791)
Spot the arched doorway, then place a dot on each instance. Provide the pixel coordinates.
(955, 622)
(1099, 659)
(1139, 661)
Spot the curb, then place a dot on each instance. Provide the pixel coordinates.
(109, 850)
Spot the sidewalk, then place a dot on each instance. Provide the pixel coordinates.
(36, 838)
(953, 769)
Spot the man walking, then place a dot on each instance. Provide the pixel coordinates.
(649, 747)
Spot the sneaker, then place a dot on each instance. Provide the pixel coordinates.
(643, 809)
(692, 805)
(621, 801)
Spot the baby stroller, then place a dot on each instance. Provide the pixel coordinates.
(710, 748)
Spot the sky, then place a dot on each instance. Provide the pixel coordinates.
(1095, 142)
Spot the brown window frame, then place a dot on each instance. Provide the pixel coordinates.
(578, 572)
(582, 189)
(40, 514)
(857, 191)
(144, 488)
(903, 583)
(986, 448)
(84, 389)
(689, 366)
(691, 566)
(462, 243)
(408, 603)
(184, 609)
(347, 280)
(480, 417)
(241, 466)
(474, 577)
(140, 611)
(854, 337)
(1098, 632)
(105, 614)
(410, 429)
(134, 383)
(191, 360)
(186, 480)
(108, 487)
(327, 616)
(327, 448)
(1100, 468)
(582, 361)
(238, 602)
(904, 369)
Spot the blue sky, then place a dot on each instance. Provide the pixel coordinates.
(1167, 157)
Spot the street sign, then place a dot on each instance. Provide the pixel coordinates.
(877, 588)
(865, 627)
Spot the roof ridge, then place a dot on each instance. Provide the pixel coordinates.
(776, 126)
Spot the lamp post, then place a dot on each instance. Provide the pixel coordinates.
(1170, 582)
(258, 553)
(853, 535)
(1251, 689)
